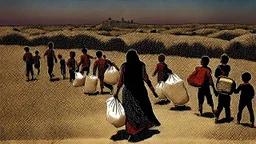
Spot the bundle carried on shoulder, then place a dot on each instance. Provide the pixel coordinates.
(79, 79)
(175, 90)
(115, 112)
(225, 85)
(197, 77)
(159, 90)
(90, 85)
(111, 75)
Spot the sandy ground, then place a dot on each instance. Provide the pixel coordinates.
(56, 112)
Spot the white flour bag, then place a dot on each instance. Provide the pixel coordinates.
(90, 85)
(159, 90)
(115, 112)
(79, 79)
(111, 75)
(175, 90)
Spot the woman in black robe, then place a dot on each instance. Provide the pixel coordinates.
(135, 100)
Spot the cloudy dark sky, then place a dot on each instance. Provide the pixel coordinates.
(20, 12)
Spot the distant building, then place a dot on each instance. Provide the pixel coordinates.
(109, 24)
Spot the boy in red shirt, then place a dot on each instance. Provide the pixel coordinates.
(28, 58)
(85, 62)
(101, 65)
(205, 89)
(162, 69)
(51, 57)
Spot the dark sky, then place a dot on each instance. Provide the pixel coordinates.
(20, 12)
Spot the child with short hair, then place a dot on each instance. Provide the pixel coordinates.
(205, 89)
(37, 61)
(62, 66)
(29, 59)
(246, 96)
(162, 69)
(85, 62)
(72, 66)
(101, 65)
(51, 57)
(223, 100)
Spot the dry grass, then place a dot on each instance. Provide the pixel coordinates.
(229, 34)
(189, 40)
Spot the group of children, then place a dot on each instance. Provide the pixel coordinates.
(223, 69)
(101, 63)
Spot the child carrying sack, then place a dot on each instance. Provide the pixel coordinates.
(197, 78)
(225, 85)
(90, 85)
(115, 112)
(175, 90)
(111, 75)
(79, 79)
(159, 90)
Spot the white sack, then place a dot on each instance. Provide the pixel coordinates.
(90, 85)
(111, 75)
(79, 79)
(159, 90)
(175, 90)
(115, 112)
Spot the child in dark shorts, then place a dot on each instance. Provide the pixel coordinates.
(85, 62)
(101, 64)
(29, 59)
(246, 96)
(37, 61)
(205, 89)
(72, 66)
(62, 66)
(223, 100)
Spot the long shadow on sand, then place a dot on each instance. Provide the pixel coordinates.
(181, 108)
(55, 79)
(247, 125)
(206, 115)
(122, 135)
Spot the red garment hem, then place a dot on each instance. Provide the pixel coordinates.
(132, 130)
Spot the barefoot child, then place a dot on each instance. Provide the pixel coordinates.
(101, 65)
(37, 61)
(72, 66)
(85, 62)
(28, 58)
(246, 96)
(62, 66)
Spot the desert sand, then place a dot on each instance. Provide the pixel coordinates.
(41, 111)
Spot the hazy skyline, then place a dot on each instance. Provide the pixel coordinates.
(14, 12)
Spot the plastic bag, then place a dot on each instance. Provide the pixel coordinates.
(115, 112)
(79, 79)
(175, 90)
(90, 85)
(225, 85)
(159, 90)
(111, 75)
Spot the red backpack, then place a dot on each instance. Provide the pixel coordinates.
(197, 78)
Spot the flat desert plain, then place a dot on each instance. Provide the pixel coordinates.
(41, 111)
